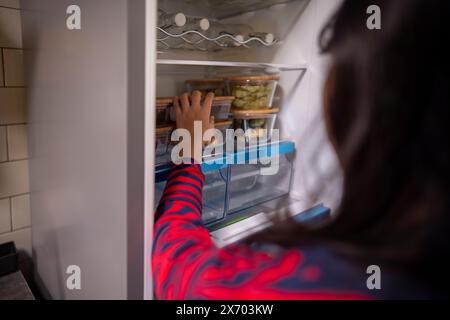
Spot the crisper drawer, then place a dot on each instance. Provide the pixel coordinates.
(214, 195)
(231, 188)
(251, 185)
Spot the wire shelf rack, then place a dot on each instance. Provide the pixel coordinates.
(196, 40)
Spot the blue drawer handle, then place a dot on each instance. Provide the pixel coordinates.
(284, 147)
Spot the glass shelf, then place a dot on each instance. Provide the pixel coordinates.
(267, 66)
(237, 227)
(220, 9)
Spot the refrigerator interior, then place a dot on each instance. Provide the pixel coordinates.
(296, 25)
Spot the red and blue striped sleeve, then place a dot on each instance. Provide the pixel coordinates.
(187, 264)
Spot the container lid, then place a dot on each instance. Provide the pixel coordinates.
(164, 102)
(164, 130)
(205, 81)
(223, 99)
(254, 114)
(223, 123)
(254, 78)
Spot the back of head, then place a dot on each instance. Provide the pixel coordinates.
(388, 103)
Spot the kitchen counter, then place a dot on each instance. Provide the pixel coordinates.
(14, 287)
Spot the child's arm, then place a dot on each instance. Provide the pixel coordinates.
(187, 264)
(180, 237)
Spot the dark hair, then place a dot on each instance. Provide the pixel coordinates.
(387, 115)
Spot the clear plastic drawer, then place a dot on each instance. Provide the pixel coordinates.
(214, 195)
(251, 185)
(232, 188)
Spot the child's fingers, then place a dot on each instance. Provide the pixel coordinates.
(196, 98)
(177, 107)
(208, 103)
(185, 105)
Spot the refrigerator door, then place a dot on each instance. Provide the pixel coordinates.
(86, 91)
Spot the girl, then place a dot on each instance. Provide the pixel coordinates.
(386, 107)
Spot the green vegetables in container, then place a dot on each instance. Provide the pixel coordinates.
(256, 123)
(253, 93)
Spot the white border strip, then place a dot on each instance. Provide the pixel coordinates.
(149, 182)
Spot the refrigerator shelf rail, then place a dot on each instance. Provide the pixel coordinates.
(238, 227)
(202, 42)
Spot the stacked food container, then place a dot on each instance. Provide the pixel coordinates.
(165, 122)
(242, 102)
(217, 86)
(253, 109)
(252, 98)
(164, 127)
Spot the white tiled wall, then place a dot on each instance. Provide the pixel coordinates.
(15, 219)
(20, 209)
(3, 146)
(17, 142)
(12, 106)
(5, 216)
(10, 3)
(2, 82)
(11, 28)
(14, 178)
(13, 67)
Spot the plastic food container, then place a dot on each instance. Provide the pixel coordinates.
(253, 93)
(223, 126)
(256, 125)
(205, 86)
(163, 106)
(214, 195)
(162, 140)
(221, 107)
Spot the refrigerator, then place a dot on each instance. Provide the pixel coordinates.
(94, 71)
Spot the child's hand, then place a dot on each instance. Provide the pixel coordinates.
(187, 111)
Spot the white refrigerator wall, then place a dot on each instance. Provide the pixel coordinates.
(318, 176)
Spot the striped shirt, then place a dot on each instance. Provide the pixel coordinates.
(187, 264)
